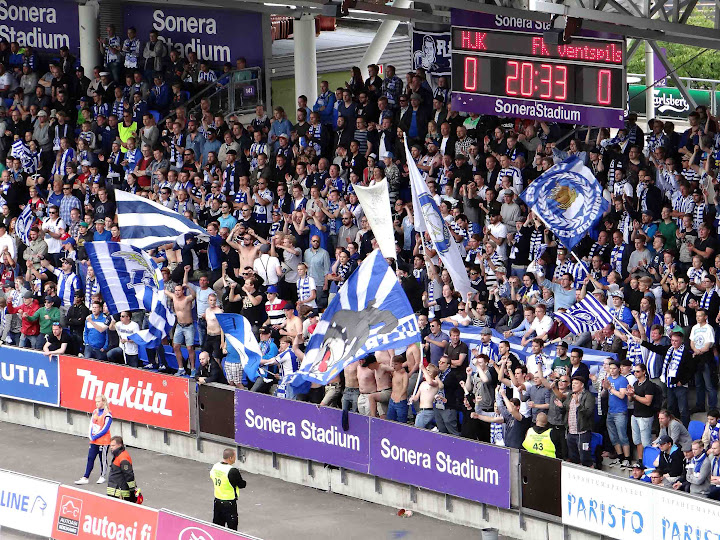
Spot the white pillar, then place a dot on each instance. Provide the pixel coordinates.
(381, 39)
(305, 59)
(88, 21)
(649, 79)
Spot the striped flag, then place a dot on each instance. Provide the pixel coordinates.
(130, 280)
(244, 347)
(370, 313)
(146, 224)
(579, 273)
(588, 315)
(428, 219)
(24, 223)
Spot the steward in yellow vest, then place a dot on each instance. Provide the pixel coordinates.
(538, 439)
(226, 480)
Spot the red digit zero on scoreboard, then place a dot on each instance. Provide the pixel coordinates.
(135, 395)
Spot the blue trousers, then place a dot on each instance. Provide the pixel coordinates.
(397, 412)
(95, 451)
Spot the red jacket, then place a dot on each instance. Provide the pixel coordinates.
(28, 327)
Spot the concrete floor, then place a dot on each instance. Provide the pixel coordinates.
(269, 508)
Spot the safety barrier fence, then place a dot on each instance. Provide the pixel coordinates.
(51, 510)
(526, 484)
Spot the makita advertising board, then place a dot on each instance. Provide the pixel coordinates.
(135, 395)
(29, 376)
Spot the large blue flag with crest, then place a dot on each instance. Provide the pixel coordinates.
(130, 280)
(370, 313)
(568, 199)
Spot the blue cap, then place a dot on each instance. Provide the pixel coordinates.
(272, 289)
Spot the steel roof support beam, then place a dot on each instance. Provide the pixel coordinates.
(672, 74)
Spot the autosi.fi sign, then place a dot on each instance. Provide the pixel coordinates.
(134, 395)
(87, 516)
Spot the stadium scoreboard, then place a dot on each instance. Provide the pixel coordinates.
(504, 66)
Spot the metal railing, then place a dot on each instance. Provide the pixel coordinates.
(237, 91)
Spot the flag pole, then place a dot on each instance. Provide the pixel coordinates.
(421, 376)
(617, 321)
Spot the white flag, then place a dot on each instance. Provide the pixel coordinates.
(428, 218)
(375, 202)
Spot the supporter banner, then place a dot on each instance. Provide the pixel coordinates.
(445, 464)
(29, 376)
(431, 50)
(138, 396)
(470, 335)
(215, 35)
(669, 102)
(172, 526)
(82, 515)
(27, 504)
(41, 24)
(609, 505)
(302, 430)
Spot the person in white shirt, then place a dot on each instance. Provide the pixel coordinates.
(497, 231)
(127, 352)
(267, 267)
(7, 242)
(54, 228)
(538, 358)
(306, 292)
(702, 339)
(540, 325)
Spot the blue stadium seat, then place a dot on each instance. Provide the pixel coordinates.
(595, 440)
(696, 429)
(649, 455)
(156, 115)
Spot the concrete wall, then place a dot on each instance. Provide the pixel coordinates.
(317, 475)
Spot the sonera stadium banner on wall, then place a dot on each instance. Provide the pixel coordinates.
(441, 463)
(45, 25)
(135, 395)
(218, 36)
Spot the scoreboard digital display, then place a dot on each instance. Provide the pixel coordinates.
(512, 72)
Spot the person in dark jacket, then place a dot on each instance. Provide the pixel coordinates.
(668, 463)
(76, 316)
(580, 408)
(210, 371)
(678, 369)
(121, 482)
(415, 120)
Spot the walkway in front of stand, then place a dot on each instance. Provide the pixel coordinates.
(270, 509)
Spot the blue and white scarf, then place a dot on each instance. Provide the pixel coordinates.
(616, 257)
(671, 366)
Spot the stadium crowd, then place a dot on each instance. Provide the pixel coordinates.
(276, 196)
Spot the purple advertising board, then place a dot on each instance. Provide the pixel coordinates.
(215, 35)
(45, 25)
(302, 430)
(508, 66)
(172, 526)
(442, 463)
(460, 467)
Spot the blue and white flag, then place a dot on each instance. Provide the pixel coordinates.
(568, 199)
(243, 347)
(146, 224)
(24, 223)
(428, 218)
(370, 313)
(588, 315)
(470, 335)
(130, 280)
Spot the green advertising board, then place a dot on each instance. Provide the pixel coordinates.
(669, 102)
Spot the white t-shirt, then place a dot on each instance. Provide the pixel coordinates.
(124, 330)
(541, 326)
(500, 231)
(702, 335)
(51, 225)
(532, 365)
(266, 267)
